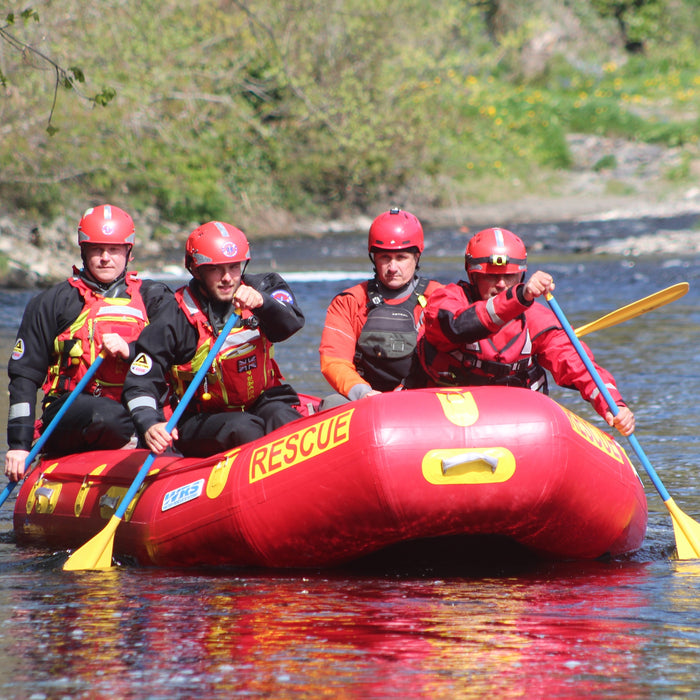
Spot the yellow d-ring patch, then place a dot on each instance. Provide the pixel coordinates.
(486, 465)
(32, 497)
(219, 473)
(85, 488)
(459, 407)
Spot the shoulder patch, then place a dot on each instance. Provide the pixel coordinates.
(141, 365)
(18, 350)
(283, 295)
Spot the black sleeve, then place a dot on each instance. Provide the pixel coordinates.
(20, 422)
(45, 317)
(159, 300)
(170, 340)
(279, 316)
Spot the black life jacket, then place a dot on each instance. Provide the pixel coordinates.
(387, 343)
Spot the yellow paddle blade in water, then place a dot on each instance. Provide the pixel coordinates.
(687, 532)
(636, 308)
(95, 554)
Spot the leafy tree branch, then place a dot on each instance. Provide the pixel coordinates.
(67, 78)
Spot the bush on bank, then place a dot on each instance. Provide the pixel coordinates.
(242, 110)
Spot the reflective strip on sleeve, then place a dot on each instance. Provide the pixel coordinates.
(490, 308)
(20, 410)
(142, 402)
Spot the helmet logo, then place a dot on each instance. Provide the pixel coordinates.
(230, 250)
(108, 228)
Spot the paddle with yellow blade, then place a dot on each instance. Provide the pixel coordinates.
(687, 530)
(89, 374)
(96, 554)
(636, 308)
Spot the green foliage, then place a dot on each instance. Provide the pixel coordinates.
(617, 188)
(681, 172)
(25, 15)
(44, 201)
(104, 97)
(224, 110)
(606, 162)
(639, 21)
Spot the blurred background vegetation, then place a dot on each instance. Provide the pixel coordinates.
(257, 111)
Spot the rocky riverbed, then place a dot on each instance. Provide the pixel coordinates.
(611, 179)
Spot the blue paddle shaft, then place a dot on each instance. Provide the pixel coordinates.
(179, 410)
(614, 408)
(54, 422)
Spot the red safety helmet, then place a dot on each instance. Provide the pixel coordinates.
(395, 230)
(495, 251)
(106, 224)
(215, 243)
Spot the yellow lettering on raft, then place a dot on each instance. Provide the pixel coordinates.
(301, 445)
(595, 437)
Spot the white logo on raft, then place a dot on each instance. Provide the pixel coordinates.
(181, 495)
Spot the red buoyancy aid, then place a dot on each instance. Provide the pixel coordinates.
(502, 358)
(76, 348)
(241, 371)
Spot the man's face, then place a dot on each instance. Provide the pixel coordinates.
(105, 262)
(220, 282)
(490, 285)
(395, 268)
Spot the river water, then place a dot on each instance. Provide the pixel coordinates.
(627, 628)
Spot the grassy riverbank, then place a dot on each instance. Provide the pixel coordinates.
(267, 114)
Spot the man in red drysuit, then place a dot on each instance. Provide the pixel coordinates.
(488, 330)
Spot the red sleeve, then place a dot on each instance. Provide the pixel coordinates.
(345, 318)
(555, 352)
(451, 319)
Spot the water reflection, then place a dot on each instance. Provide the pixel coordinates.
(556, 633)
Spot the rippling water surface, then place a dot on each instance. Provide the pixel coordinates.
(627, 628)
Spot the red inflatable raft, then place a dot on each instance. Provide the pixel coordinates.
(330, 488)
